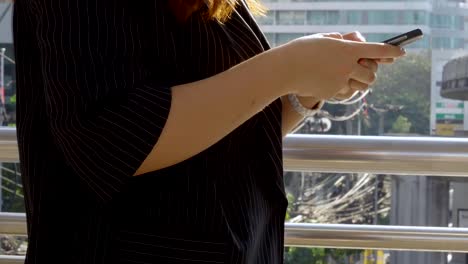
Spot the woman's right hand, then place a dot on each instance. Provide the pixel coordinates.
(322, 66)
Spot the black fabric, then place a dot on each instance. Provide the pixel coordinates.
(94, 85)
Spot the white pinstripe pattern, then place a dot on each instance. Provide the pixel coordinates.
(93, 80)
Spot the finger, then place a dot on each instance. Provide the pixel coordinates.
(386, 61)
(373, 50)
(357, 85)
(350, 92)
(344, 94)
(335, 35)
(370, 64)
(363, 74)
(354, 36)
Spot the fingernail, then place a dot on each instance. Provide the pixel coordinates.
(361, 36)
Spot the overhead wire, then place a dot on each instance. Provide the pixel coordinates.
(350, 100)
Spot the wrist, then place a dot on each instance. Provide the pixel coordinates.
(305, 110)
(280, 66)
(263, 72)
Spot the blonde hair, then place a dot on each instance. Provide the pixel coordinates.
(217, 9)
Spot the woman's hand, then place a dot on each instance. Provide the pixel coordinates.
(368, 63)
(322, 65)
(357, 36)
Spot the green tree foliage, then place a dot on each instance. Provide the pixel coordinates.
(402, 89)
(401, 125)
(318, 255)
(304, 256)
(405, 83)
(291, 200)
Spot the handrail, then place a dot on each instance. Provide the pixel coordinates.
(335, 235)
(13, 223)
(390, 155)
(5, 259)
(429, 156)
(8, 145)
(442, 239)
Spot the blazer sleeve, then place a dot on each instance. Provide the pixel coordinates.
(106, 102)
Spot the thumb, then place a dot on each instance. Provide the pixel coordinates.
(373, 50)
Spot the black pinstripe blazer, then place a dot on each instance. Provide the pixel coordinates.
(94, 91)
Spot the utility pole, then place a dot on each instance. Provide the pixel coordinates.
(2, 92)
(359, 121)
(381, 123)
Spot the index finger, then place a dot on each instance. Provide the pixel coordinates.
(354, 36)
(374, 50)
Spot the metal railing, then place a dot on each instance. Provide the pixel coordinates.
(389, 155)
(412, 238)
(4, 259)
(8, 145)
(386, 155)
(13, 224)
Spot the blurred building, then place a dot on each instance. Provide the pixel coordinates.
(455, 86)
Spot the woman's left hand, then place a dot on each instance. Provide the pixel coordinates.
(357, 36)
(368, 63)
(355, 85)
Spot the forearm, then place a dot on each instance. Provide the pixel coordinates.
(204, 112)
(291, 118)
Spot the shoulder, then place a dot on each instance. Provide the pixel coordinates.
(245, 13)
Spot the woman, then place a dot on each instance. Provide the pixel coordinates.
(150, 131)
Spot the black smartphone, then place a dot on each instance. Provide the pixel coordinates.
(405, 38)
